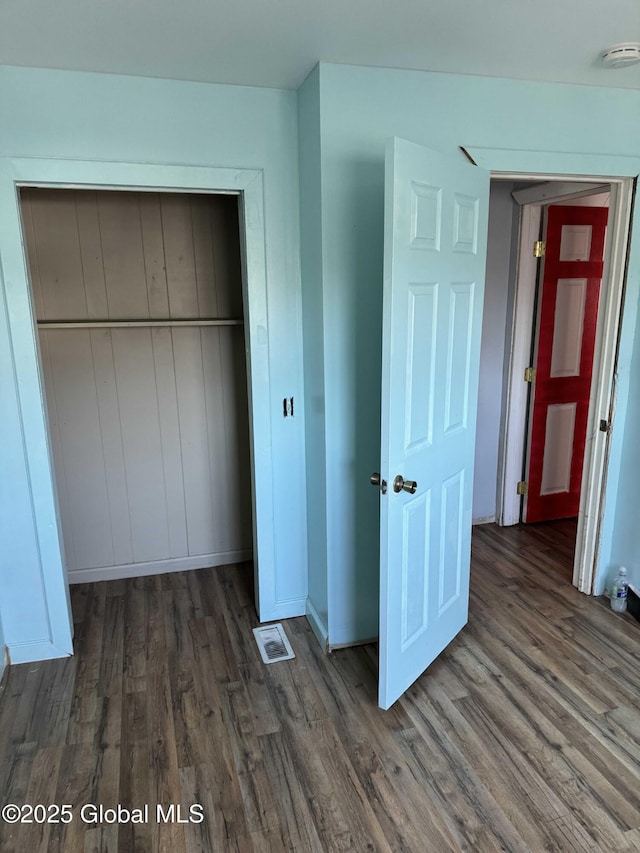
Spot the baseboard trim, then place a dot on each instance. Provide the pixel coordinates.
(484, 519)
(34, 651)
(288, 609)
(158, 567)
(5, 662)
(317, 625)
(334, 647)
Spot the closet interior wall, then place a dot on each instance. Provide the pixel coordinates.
(138, 298)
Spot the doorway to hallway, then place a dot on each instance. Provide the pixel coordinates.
(510, 333)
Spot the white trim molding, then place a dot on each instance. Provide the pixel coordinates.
(317, 625)
(511, 457)
(158, 567)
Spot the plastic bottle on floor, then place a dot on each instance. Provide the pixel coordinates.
(619, 591)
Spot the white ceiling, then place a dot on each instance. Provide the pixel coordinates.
(277, 42)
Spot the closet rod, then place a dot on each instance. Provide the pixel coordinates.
(129, 324)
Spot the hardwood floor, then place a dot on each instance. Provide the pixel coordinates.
(523, 736)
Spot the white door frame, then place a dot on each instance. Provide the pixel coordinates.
(146, 177)
(602, 401)
(510, 456)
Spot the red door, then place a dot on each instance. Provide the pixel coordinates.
(568, 314)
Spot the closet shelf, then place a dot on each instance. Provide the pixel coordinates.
(133, 324)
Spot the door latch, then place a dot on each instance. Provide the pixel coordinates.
(376, 480)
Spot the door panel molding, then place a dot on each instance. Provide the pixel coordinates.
(559, 279)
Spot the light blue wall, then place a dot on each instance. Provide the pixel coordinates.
(498, 287)
(346, 114)
(359, 109)
(621, 534)
(309, 138)
(91, 117)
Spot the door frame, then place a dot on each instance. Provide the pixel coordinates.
(510, 450)
(247, 184)
(602, 399)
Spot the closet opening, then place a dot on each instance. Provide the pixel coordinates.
(138, 297)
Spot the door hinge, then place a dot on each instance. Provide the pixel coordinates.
(539, 248)
(523, 488)
(605, 426)
(530, 374)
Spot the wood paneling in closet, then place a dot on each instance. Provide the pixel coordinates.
(148, 425)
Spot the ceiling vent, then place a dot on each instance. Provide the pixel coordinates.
(621, 55)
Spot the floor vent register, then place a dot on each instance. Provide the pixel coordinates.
(273, 643)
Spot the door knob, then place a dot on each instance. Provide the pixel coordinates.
(402, 485)
(376, 480)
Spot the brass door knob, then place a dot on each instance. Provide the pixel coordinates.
(376, 480)
(402, 485)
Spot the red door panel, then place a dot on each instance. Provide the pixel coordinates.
(573, 266)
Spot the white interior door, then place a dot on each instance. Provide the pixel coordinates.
(436, 215)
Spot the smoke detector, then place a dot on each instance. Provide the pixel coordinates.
(621, 55)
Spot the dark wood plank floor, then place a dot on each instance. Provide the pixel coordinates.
(523, 736)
